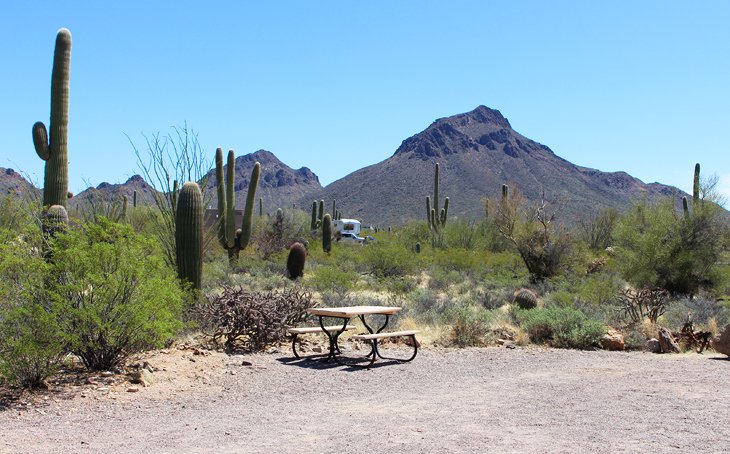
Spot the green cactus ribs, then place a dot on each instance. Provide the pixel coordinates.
(189, 234)
(53, 149)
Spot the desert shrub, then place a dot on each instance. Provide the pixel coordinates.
(330, 279)
(442, 279)
(461, 234)
(252, 320)
(424, 306)
(598, 289)
(561, 327)
(388, 259)
(492, 298)
(525, 298)
(114, 294)
(699, 310)
(596, 229)
(31, 344)
(469, 325)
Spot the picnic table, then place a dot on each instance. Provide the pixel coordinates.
(345, 315)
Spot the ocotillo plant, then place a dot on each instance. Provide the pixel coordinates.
(436, 217)
(54, 149)
(327, 233)
(189, 234)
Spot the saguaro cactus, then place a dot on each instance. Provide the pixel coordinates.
(54, 150)
(226, 202)
(189, 234)
(247, 221)
(696, 186)
(314, 223)
(327, 233)
(436, 218)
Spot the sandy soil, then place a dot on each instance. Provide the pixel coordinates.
(470, 400)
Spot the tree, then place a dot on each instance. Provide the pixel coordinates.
(542, 244)
(659, 247)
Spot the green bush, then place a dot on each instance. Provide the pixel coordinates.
(114, 294)
(469, 325)
(388, 259)
(31, 345)
(561, 327)
(658, 247)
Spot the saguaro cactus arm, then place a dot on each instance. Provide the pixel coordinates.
(54, 149)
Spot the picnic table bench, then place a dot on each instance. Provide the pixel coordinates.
(345, 314)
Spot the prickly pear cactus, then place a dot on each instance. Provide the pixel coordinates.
(54, 149)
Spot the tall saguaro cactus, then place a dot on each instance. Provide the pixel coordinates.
(229, 238)
(189, 234)
(436, 217)
(696, 186)
(54, 149)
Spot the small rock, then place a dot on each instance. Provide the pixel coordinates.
(613, 341)
(143, 377)
(721, 343)
(107, 373)
(132, 389)
(509, 344)
(233, 372)
(102, 388)
(317, 349)
(653, 346)
(246, 363)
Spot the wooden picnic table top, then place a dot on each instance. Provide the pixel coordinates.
(352, 311)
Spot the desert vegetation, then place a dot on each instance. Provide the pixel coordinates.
(102, 284)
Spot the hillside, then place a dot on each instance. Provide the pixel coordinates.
(280, 186)
(478, 151)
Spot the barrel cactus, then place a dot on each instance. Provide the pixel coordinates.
(295, 261)
(189, 234)
(525, 298)
(55, 219)
(54, 149)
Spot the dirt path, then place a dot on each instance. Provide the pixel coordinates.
(472, 400)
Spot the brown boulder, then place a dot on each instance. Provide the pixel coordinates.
(721, 343)
(613, 341)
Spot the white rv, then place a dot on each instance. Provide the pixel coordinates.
(346, 226)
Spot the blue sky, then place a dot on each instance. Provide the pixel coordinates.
(337, 85)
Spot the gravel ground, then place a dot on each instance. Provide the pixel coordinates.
(470, 400)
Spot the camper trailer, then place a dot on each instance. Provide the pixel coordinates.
(346, 226)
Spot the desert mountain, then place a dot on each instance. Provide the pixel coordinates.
(477, 152)
(14, 184)
(109, 194)
(280, 186)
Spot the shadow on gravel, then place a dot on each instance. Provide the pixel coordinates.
(721, 358)
(320, 362)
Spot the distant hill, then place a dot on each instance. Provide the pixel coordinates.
(108, 193)
(14, 184)
(280, 186)
(478, 151)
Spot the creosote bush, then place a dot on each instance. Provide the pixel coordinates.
(113, 296)
(561, 327)
(252, 320)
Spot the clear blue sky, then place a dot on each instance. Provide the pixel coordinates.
(640, 86)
